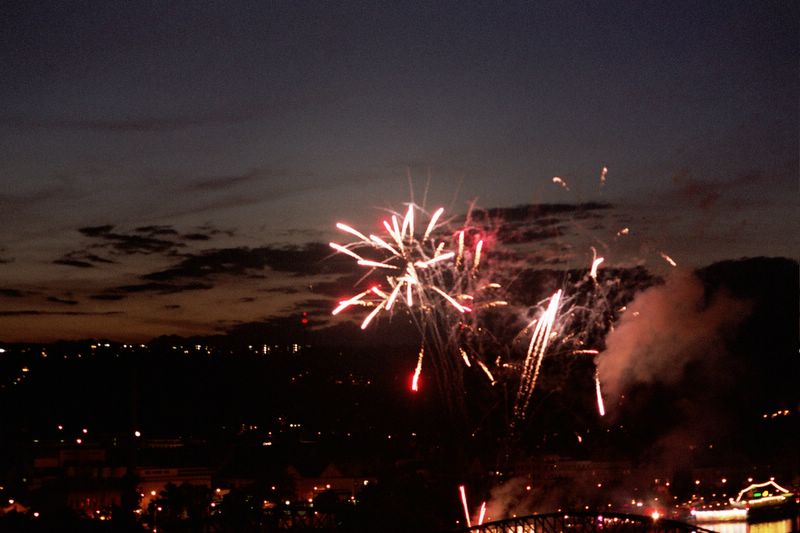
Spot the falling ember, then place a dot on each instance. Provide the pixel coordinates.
(348, 229)
(408, 222)
(393, 296)
(465, 357)
(464, 503)
(482, 514)
(378, 292)
(668, 259)
(623, 231)
(585, 352)
(460, 247)
(595, 263)
(432, 223)
(603, 176)
(601, 408)
(351, 301)
(486, 371)
(375, 264)
(342, 249)
(435, 259)
(371, 316)
(477, 261)
(450, 299)
(380, 242)
(561, 182)
(418, 370)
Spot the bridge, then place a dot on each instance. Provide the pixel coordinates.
(584, 521)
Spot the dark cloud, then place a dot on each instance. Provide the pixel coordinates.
(297, 234)
(137, 244)
(210, 230)
(81, 259)
(524, 213)
(318, 305)
(36, 312)
(127, 244)
(196, 237)
(706, 194)
(156, 230)
(143, 240)
(97, 259)
(12, 293)
(535, 222)
(338, 287)
(247, 299)
(107, 297)
(73, 262)
(281, 290)
(309, 259)
(96, 231)
(519, 234)
(582, 215)
(57, 300)
(162, 288)
(172, 306)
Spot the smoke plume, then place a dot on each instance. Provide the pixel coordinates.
(663, 330)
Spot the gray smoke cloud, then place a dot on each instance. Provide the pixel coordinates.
(509, 499)
(664, 329)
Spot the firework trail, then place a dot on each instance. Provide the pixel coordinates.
(417, 370)
(463, 492)
(668, 259)
(482, 514)
(486, 371)
(595, 263)
(558, 181)
(540, 339)
(601, 407)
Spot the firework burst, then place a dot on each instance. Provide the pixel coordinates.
(420, 269)
(430, 272)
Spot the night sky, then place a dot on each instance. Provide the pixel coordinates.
(174, 168)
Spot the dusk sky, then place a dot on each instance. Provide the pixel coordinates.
(179, 168)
